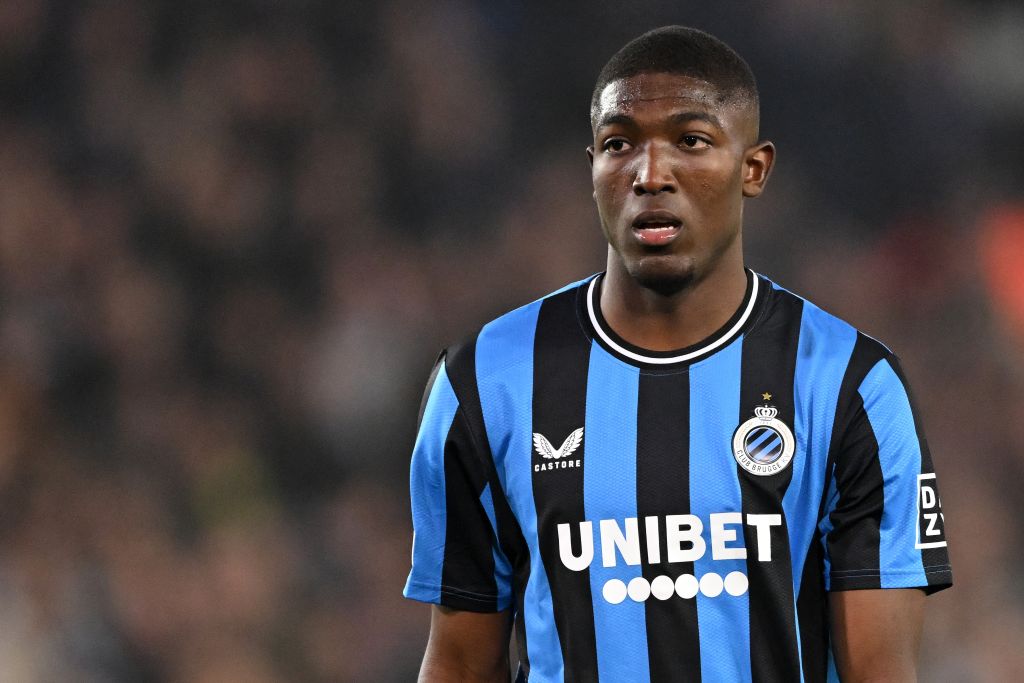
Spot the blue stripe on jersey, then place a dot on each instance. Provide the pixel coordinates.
(504, 369)
(427, 484)
(823, 353)
(609, 492)
(723, 621)
(899, 454)
(502, 567)
(833, 674)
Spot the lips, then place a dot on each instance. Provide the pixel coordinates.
(656, 228)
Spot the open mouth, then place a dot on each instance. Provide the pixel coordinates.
(656, 228)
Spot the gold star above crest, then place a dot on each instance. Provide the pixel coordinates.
(766, 396)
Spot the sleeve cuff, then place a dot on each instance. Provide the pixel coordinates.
(454, 598)
(936, 578)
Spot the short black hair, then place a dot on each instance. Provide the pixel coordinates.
(680, 50)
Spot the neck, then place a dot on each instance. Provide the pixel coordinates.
(666, 322)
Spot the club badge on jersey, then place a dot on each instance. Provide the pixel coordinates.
(763, 445)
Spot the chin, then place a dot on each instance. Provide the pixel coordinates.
(663, 275)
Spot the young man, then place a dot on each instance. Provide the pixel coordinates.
(674, 470)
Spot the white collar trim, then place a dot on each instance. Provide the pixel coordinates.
(661, 360)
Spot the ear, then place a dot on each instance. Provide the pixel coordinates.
(757, 164)
(590, 158)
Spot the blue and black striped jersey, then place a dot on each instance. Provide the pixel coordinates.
(674, 516)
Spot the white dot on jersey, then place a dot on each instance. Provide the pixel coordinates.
(662, 587)
(711, 585)
(639, 590)
(736, 583)
(614, 591)
(686, 586)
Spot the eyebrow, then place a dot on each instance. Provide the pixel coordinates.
(681, 117)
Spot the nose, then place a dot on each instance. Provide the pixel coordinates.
(654, 172)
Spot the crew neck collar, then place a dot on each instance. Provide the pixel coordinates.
(741, 320)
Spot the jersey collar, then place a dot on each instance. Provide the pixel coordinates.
(740, 321)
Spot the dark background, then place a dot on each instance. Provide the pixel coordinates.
(234, 236)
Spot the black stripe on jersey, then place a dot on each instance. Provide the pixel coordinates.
(467, 529)
(854, 541)
(461, 368)
(560, 364)
(663, 488)
(932, 558)
(769, 367)
(430, 388)
(812, 611)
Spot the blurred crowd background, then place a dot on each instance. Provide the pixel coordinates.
(234, 236)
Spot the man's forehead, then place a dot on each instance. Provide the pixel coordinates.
(670, 88)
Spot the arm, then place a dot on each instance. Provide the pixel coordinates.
(876, 634)
(458, 563)
(467, 647)
(882, 526)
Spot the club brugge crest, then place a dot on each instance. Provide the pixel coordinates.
(763, 445)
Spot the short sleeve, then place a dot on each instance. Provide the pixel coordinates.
(883, 525)
(456, 558)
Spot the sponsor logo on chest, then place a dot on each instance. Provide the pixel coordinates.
(687, 539)
(557, 458)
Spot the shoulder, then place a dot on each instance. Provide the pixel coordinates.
(505, 342)
(853, 368)
(823, 334)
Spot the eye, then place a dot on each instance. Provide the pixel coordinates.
(615, 145)
(695, 142)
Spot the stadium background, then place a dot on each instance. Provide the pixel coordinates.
(234, 235)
